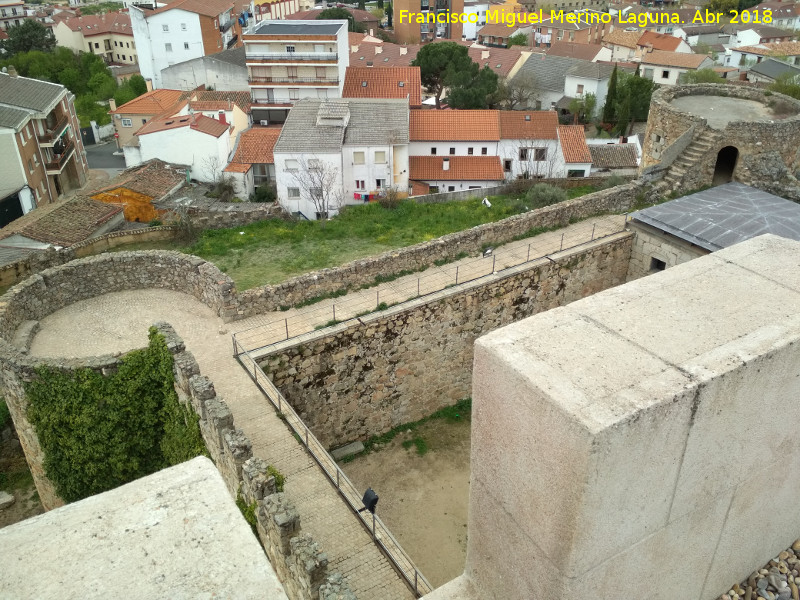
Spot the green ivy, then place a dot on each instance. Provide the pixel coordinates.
(248, 512)
(100, 432)
(280, 478)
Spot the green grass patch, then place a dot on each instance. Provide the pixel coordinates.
(419, 443)
(320, 298)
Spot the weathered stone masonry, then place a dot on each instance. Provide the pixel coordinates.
(365, 376)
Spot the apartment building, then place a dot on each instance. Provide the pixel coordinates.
(41, 152)
(183, 30)
(418, 21)
(271, 10)
(289, 61)
(12, 12)
(109, 36)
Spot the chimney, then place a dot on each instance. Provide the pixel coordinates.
(12, 71)
(353, 49)
(149, 83)
(112, 104)
(403, 50)
(484, 54)
(445, 164)
(371, 33)
(378, 49)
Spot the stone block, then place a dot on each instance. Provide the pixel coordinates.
(348, 450)
(6, 500)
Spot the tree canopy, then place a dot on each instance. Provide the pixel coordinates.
(610, 108)
(447, 65)
(30, 35)
(518, 39)
(701, 76)
(341, 14)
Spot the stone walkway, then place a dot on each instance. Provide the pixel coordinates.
(118, 322)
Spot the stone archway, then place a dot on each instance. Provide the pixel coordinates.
(726, 163)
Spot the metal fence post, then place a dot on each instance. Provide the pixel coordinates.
(286, 322)
(456, 274)
(562, 242)
(529, 253)
(373, 526)
(417, 287)
(306, 437)
(494, 260)
(334, 312)
(593, 226)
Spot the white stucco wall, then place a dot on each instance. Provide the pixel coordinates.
(552, 166)
(462, 148)
(285, 179)
(189, 74)
(12, 175)
(185, 146)
(152, 40)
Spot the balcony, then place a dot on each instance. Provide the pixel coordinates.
(223, 27)
(292, 57)
(51, 135)
(292, 81)
(233, 41)
(55, 167)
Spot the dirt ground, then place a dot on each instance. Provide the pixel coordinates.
(16, 479)
(423, 499)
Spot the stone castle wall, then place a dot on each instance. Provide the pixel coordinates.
(768, 148)
(365, 376)
(649, 243)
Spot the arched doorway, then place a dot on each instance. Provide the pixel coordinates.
(726, 163)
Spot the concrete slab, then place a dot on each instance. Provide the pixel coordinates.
(175, 534)
(721, 110)
(348, 450)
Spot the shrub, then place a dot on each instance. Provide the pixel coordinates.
(264, 193)
(544, 194)
(390, 200)
(612, 181)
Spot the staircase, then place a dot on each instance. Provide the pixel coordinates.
(687, 162)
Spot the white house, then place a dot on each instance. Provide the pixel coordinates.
(253, 164)
(529, 145)
(666, 67)
(201, 143)
(588, 78)
(469, 30)
(756, 34)
(291, 60)
(181, 31)
(341, 151)
(751, 55)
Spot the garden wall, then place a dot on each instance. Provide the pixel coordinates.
(367, 375)
(219, 215)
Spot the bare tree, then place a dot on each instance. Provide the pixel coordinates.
(537, 160)
(518, 93)
(319, 184)
(212, 165)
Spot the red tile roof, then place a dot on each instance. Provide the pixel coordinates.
(620, 37)
(573, 144)
(208, 8)
(151, 103)
(500, 30)
(383, 82)
(198, 122)
(674, 59)
(113, 22)
(361, 16)
(462, 168)
(218, 100)
(528, 125)
(659, 41)
(255, 146)
(574, 50)
(454, 125)
(772, 49)
(155, 179)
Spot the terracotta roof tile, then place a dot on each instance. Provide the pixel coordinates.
(673, 59)
(454, 125)
(198, 122)
(462, 168)
(155, 179)
(255, 146)
(772, 49)
(573, 144)
(614, 156)
(620, 37)
(574, 50)
(220, 99)
(114, 22)
(208, 8)
(528, 125)
(499, 30)
(383, 82)
(659, 41)
(151, 103)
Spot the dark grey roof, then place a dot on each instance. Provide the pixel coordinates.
(724, 215)
(13, 117)
(614, 156)
(590, 70)
(774, 68)
(372, 122)
(287, 28)
(549, 72)
(234, 56)
(701, 29)
(32, 94)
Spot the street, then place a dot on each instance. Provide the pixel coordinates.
(101, 156)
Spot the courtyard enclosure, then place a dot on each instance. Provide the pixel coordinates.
(654, 436)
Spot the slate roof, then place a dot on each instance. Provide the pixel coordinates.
(549, 72)
(573, 144)
(383, 82)
(724, 215)
(454, 125)
(13, 118)
(614, 156)
(233, 56)
(462, 168)
(591, 70)
(22, 92)
(774, 68)
(373, 122)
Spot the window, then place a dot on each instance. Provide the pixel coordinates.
(144, 121)
(115, 43)
(293, 192)
(360, 184)
(183, 26)
(322, 93)
(665, 74)
(451, 188)
(580, 88)
(291, 164)
(165, 27)
(127, 44)
(30, 166)
(315, 192)
(321, 72)
(656, 264)
(470, 151)
(648, 73)
(523, 154)
(380, 183)
(294, 94)
(168, 47)
(452, 151)
(380, 157)
(507, 166)
(290, 49)
(433, 151)
(291, 72)
(540, 154)
(314, 164)
(127, 123)
(185, 45)
(484, 150)
(576, 173)
(97, 45)
(358, 158)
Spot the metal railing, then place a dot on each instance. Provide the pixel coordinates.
(292, 56)
(51, 135)
(258, 339)
(373, 524)
(61, 160)
(318, 80)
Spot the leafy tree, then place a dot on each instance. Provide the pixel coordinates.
(589, 104)
(701, 76)
(638, 90)
(124, 94)
(518, 39)
(138, 85)
(377, 13)
(448, 65)
(30, 35)
(609, 110)
(102, 85)
(722, 6)
(380, 3)
(785, 84)
(623, 115)
(362, 5)
(341, 14)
